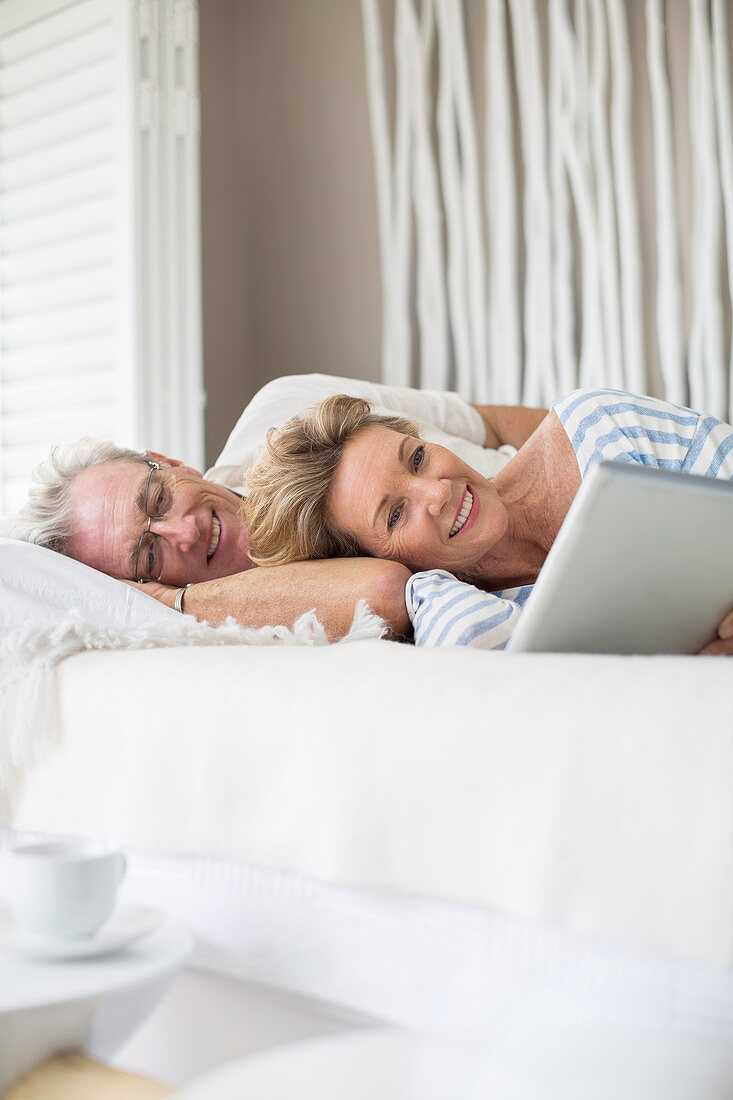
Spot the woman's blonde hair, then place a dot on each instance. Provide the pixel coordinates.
(287, 508)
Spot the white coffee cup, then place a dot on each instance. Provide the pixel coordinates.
(63, 889)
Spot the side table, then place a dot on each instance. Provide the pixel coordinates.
(91, 1004)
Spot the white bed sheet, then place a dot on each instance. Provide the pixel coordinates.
(591, 794)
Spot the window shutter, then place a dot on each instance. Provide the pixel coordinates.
(84, 265)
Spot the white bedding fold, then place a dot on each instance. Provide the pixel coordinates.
(593, 793)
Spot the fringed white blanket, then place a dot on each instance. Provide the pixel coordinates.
(29, 656)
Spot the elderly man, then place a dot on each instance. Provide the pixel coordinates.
(143, 517)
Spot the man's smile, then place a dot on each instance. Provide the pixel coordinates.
(215, 535)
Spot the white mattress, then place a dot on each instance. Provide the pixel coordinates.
(480, 823)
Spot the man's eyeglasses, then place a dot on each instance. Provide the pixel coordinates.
(158, 499)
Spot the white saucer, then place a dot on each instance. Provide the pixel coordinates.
(127, 923)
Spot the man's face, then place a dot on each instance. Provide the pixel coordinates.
(202, 533)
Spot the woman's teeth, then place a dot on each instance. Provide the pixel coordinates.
(463, 514)
(215, 533)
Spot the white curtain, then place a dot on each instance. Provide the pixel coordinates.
(582, 232)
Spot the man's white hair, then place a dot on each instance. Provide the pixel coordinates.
(46, 517)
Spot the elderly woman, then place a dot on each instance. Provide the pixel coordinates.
(343, 481)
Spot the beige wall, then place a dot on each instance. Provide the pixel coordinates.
(290, 248)
(289, 224)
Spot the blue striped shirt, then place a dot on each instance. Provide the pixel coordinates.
(600, 424)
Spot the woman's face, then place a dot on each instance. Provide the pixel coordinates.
(414, 502)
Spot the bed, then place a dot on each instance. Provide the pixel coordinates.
(420, 837)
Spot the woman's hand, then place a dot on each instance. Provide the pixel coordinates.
(723, 645)
(162, 592)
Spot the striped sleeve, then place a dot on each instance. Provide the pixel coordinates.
(711, 453)
(626, 427)
(446, 611)
(612, 424)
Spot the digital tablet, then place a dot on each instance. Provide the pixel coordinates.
(642, 564)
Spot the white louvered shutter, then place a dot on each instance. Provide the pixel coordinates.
(81, 268)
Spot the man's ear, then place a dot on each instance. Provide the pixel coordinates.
(164, 459)
(157, 457)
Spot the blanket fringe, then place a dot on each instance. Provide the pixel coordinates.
(30, 654)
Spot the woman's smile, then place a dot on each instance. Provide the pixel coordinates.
(466, 515)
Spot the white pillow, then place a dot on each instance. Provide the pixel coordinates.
(41, 586)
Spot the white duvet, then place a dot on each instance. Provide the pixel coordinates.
(593, 793)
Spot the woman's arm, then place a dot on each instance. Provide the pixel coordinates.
(511, 424)
(280, 594)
